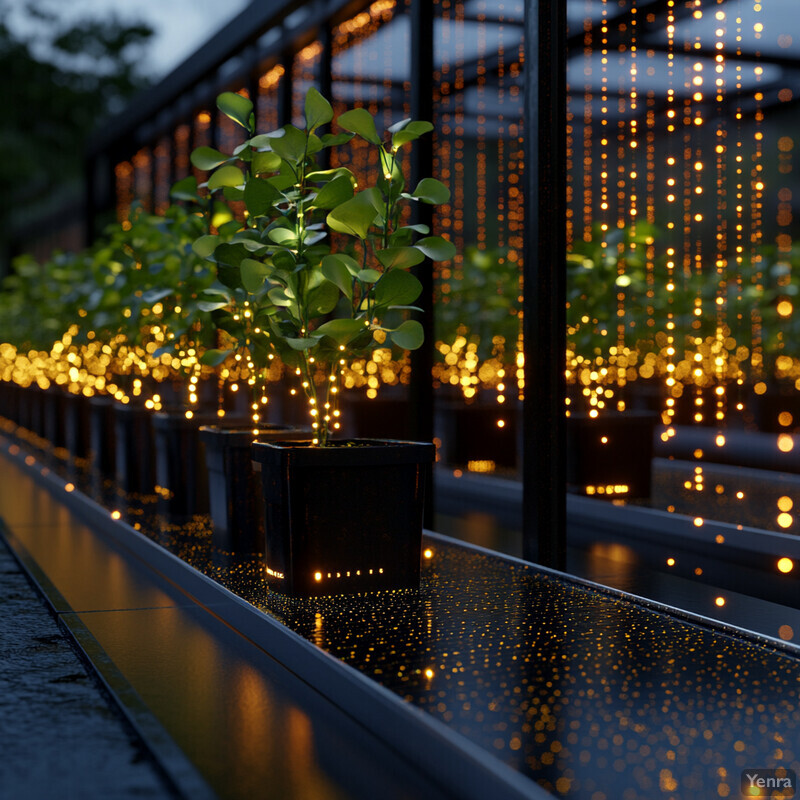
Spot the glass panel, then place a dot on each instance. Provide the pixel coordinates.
(143, 177)
(683, 275)
(304, 75)
(370, 69)
(163, 156)
(268, 94)
(478, 370)
(181, 148)
(123, 177)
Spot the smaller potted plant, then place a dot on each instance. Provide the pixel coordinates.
(319, 274)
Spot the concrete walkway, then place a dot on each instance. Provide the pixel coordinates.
(59, 735)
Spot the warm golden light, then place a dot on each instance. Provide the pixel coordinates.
(785, 503)
(427, 553)
(116, 515)
(785, 443)
(317, 576)
(720, 601)
(785, 565)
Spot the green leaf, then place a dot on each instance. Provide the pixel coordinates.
(336, 271)
(260, 196)
(233, 194)
(318, 110)
(341, 330)
(305, 343)
(292, 145)
(207, 158)
(409, 335)
(211, 305)
(398, 126)
(225, 176)
(322, 299)
(436, 248)
(400, 257)
(254, 273)
(281, 235)
(334, 193)
(265, 139)
(213, 358)
(279, 297)
(335, 139)
(265, 162)
(205, 245)
(185, 189)
(369, 275)
(431, 191)
(238, 108)
(397, 287)
(419, 228)
(353, 217)
(412, 131)
(230, 253)
(360, 121)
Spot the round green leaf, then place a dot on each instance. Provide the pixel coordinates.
(254, 274)
(236, 107)
(323, 299)
(292, 145)
(409, 335)
(207, 158)
(265, 162)
(397, 287)
(205, 245)
(209, 305)
(353, 217)
(336, 271)
(185, 189)
(429, 190)
(259, 196)
(225, 176)
(400, 257)
(337, 191)
(318, 110)
(436, 248)
(360, 121)
(341, 330)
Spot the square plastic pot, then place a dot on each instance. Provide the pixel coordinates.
(343, 518)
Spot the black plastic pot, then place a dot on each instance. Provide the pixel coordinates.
(472, 434)
(181, 478)
(76, 425)
(235, 499)
(102, 438)
(343, 518)
(54, 421)
(134, 457)
(610, 456)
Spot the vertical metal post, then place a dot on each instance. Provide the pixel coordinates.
(325, 79)
(286, 90)
(420, 390)
(544, 275)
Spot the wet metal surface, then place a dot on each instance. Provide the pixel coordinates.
(250, 728)
(586, 692)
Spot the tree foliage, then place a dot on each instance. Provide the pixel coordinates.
(56, 86)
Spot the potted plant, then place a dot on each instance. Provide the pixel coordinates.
(319, 274)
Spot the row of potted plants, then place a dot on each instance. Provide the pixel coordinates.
(273, 259)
